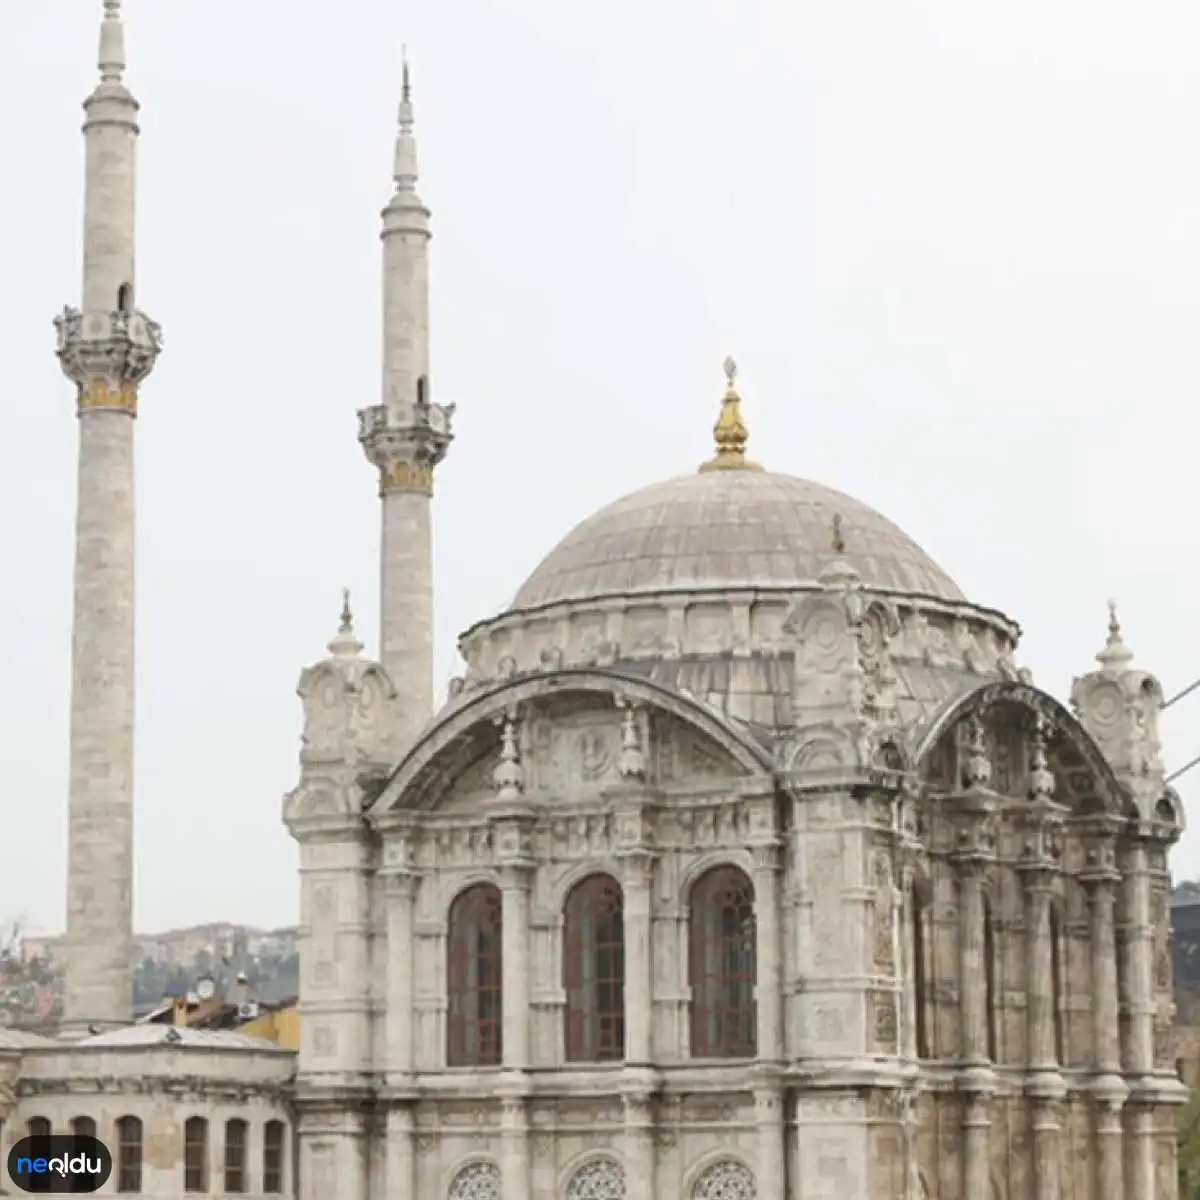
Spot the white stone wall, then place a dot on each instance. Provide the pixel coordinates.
(162, 1087)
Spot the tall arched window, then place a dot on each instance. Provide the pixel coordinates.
(989, 981)
(125, 298)
(722, 965)
(920, 971)
(129, 1155)
(474, 978)
(273, 1143)
(195, 1155)
(594, 970)
(1057, 950)
(83, 1127)
(39, 1127)
(235, 1155)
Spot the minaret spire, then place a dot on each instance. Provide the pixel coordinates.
(406, 436)
(106, 348)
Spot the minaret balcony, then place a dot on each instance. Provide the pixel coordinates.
(121, 346)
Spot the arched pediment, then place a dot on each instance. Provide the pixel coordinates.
(462, 741)
(1076, 759)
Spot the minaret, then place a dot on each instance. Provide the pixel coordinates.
(406, 437)
(106, 349)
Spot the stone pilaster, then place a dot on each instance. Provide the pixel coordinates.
(768, 1119)
(639, 1137)
(400, 892)
(515, 882)
(514, 1134)
(401, 1151)
(1140, 1159)
(637, 874)
(1138, 939)
(1109, 1091)
(977, 1129)
(769, 985)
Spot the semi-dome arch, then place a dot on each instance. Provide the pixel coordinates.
(926, 737)
(433, 757)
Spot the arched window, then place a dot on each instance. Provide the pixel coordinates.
(125, 298)
(722, 965)
(39, 1127)
(273, 1143)
(1057, 950)
(235, 1155)
(129, 1154)
(422, 389)
(83, 1127)
(920, 970)
(989, 981)
(474, 978)
(594, 970)
(195, 1155)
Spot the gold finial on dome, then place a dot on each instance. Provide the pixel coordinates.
(730, 432)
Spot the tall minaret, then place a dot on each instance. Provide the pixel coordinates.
(106, 349)
(406, 437)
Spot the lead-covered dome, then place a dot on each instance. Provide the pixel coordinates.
(729, 529)
(731, 525)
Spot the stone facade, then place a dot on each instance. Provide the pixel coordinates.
(742, 861)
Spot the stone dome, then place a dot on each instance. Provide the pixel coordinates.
(720, 529)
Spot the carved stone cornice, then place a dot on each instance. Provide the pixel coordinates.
(182, 1088)
(107, 354)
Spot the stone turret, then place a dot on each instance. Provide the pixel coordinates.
(106, 349)
(1119, 705)
(405, 438)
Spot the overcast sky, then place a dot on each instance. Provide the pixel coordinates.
(954, 247)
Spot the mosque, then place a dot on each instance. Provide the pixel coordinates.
(743, 861)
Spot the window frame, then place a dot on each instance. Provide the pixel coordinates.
(475, 978)
(594, 970)
(130, 1137)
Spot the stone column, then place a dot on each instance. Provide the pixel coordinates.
(769, 985)
(1141, 1180)
(972, 969)
(977, 1166)
(1045, 1086)
(1109, 1090)
(515, 881)
(637, 874)
(514, 1133)
(401, 889)
(1139, 956)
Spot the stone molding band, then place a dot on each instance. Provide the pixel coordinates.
(406, 477)
(100, 394)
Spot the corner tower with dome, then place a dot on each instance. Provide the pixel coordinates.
(742, 861)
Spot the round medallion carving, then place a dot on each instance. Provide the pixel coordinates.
(602, 1180)
(479, 1181)
(726, 1180)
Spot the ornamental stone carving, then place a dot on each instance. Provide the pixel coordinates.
(727, 1180)
(600, 1180)
(478, 1181)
